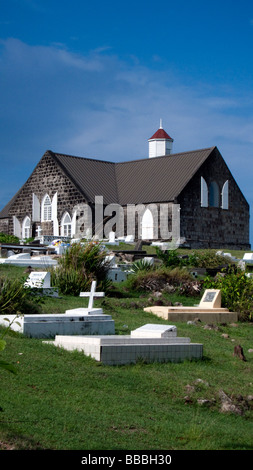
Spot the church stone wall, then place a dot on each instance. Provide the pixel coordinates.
(214, 227)
(47, 178)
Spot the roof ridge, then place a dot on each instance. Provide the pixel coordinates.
(167, 156)
(79, 157)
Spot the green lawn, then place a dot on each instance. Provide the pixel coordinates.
(63, 400)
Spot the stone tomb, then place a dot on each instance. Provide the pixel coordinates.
(150, 343)
(25, 259)
(209, 310)
(83, 321)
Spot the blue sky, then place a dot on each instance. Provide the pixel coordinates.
(94, 79)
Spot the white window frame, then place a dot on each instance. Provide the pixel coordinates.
(46, 212)
(204, 193)
(224, 195)
(26, 227)
(66, 226)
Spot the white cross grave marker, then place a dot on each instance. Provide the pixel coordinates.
(92, 294)
(39, 230)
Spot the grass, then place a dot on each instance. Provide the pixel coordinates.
(61, 400)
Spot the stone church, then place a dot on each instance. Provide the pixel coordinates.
(54, 200)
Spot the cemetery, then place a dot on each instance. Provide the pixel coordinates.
(149, 340)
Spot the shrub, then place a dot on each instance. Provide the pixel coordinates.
(201, 259)
(5, 238)
(15, 298)
(142, 265)
(169, 258)
(208, 259)
(81, 264)
(236, 292)
(158, 279)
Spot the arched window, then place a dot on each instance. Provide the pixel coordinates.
(204, 193)
(66, 225)
(224, 196)
(214, 196)
(147, 225)
(26, 227)
(46, 209)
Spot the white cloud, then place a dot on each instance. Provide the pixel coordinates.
(99, 105)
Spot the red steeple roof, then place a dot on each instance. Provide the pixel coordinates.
(160, 134)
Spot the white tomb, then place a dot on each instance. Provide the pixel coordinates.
(149, 343)
(83, 321)
(25, 259)
(248, 257)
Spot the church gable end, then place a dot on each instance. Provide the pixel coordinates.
(214, 212)
(44, 198)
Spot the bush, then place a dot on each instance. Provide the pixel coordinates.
(142, 265)
(169, 258)
(201, 259)
(236, 292)
(5, 238)
(208, 259)
(17, 299)
(158, 279)
(81, 264)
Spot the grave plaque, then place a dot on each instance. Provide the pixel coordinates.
(38, 279)
(211, 299)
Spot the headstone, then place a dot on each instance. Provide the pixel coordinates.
(38, 279)
(41, 280)
(211, 299)
(129, 239)
(92, 294)
(112, 240)
(112, 237)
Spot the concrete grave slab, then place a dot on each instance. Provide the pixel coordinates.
(209, 310)
(127, 349)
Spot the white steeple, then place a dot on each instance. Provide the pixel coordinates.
(160, 144)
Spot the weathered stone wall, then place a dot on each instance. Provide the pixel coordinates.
(214, 227)
(4, 225)
(47, 178)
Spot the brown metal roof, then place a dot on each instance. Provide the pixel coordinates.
(92, 177)
(159, 179)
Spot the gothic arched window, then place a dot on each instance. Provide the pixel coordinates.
(214, 196)
(66, 225)
(26, 227)
(204, 193)
(224, 196)
(46, 209)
